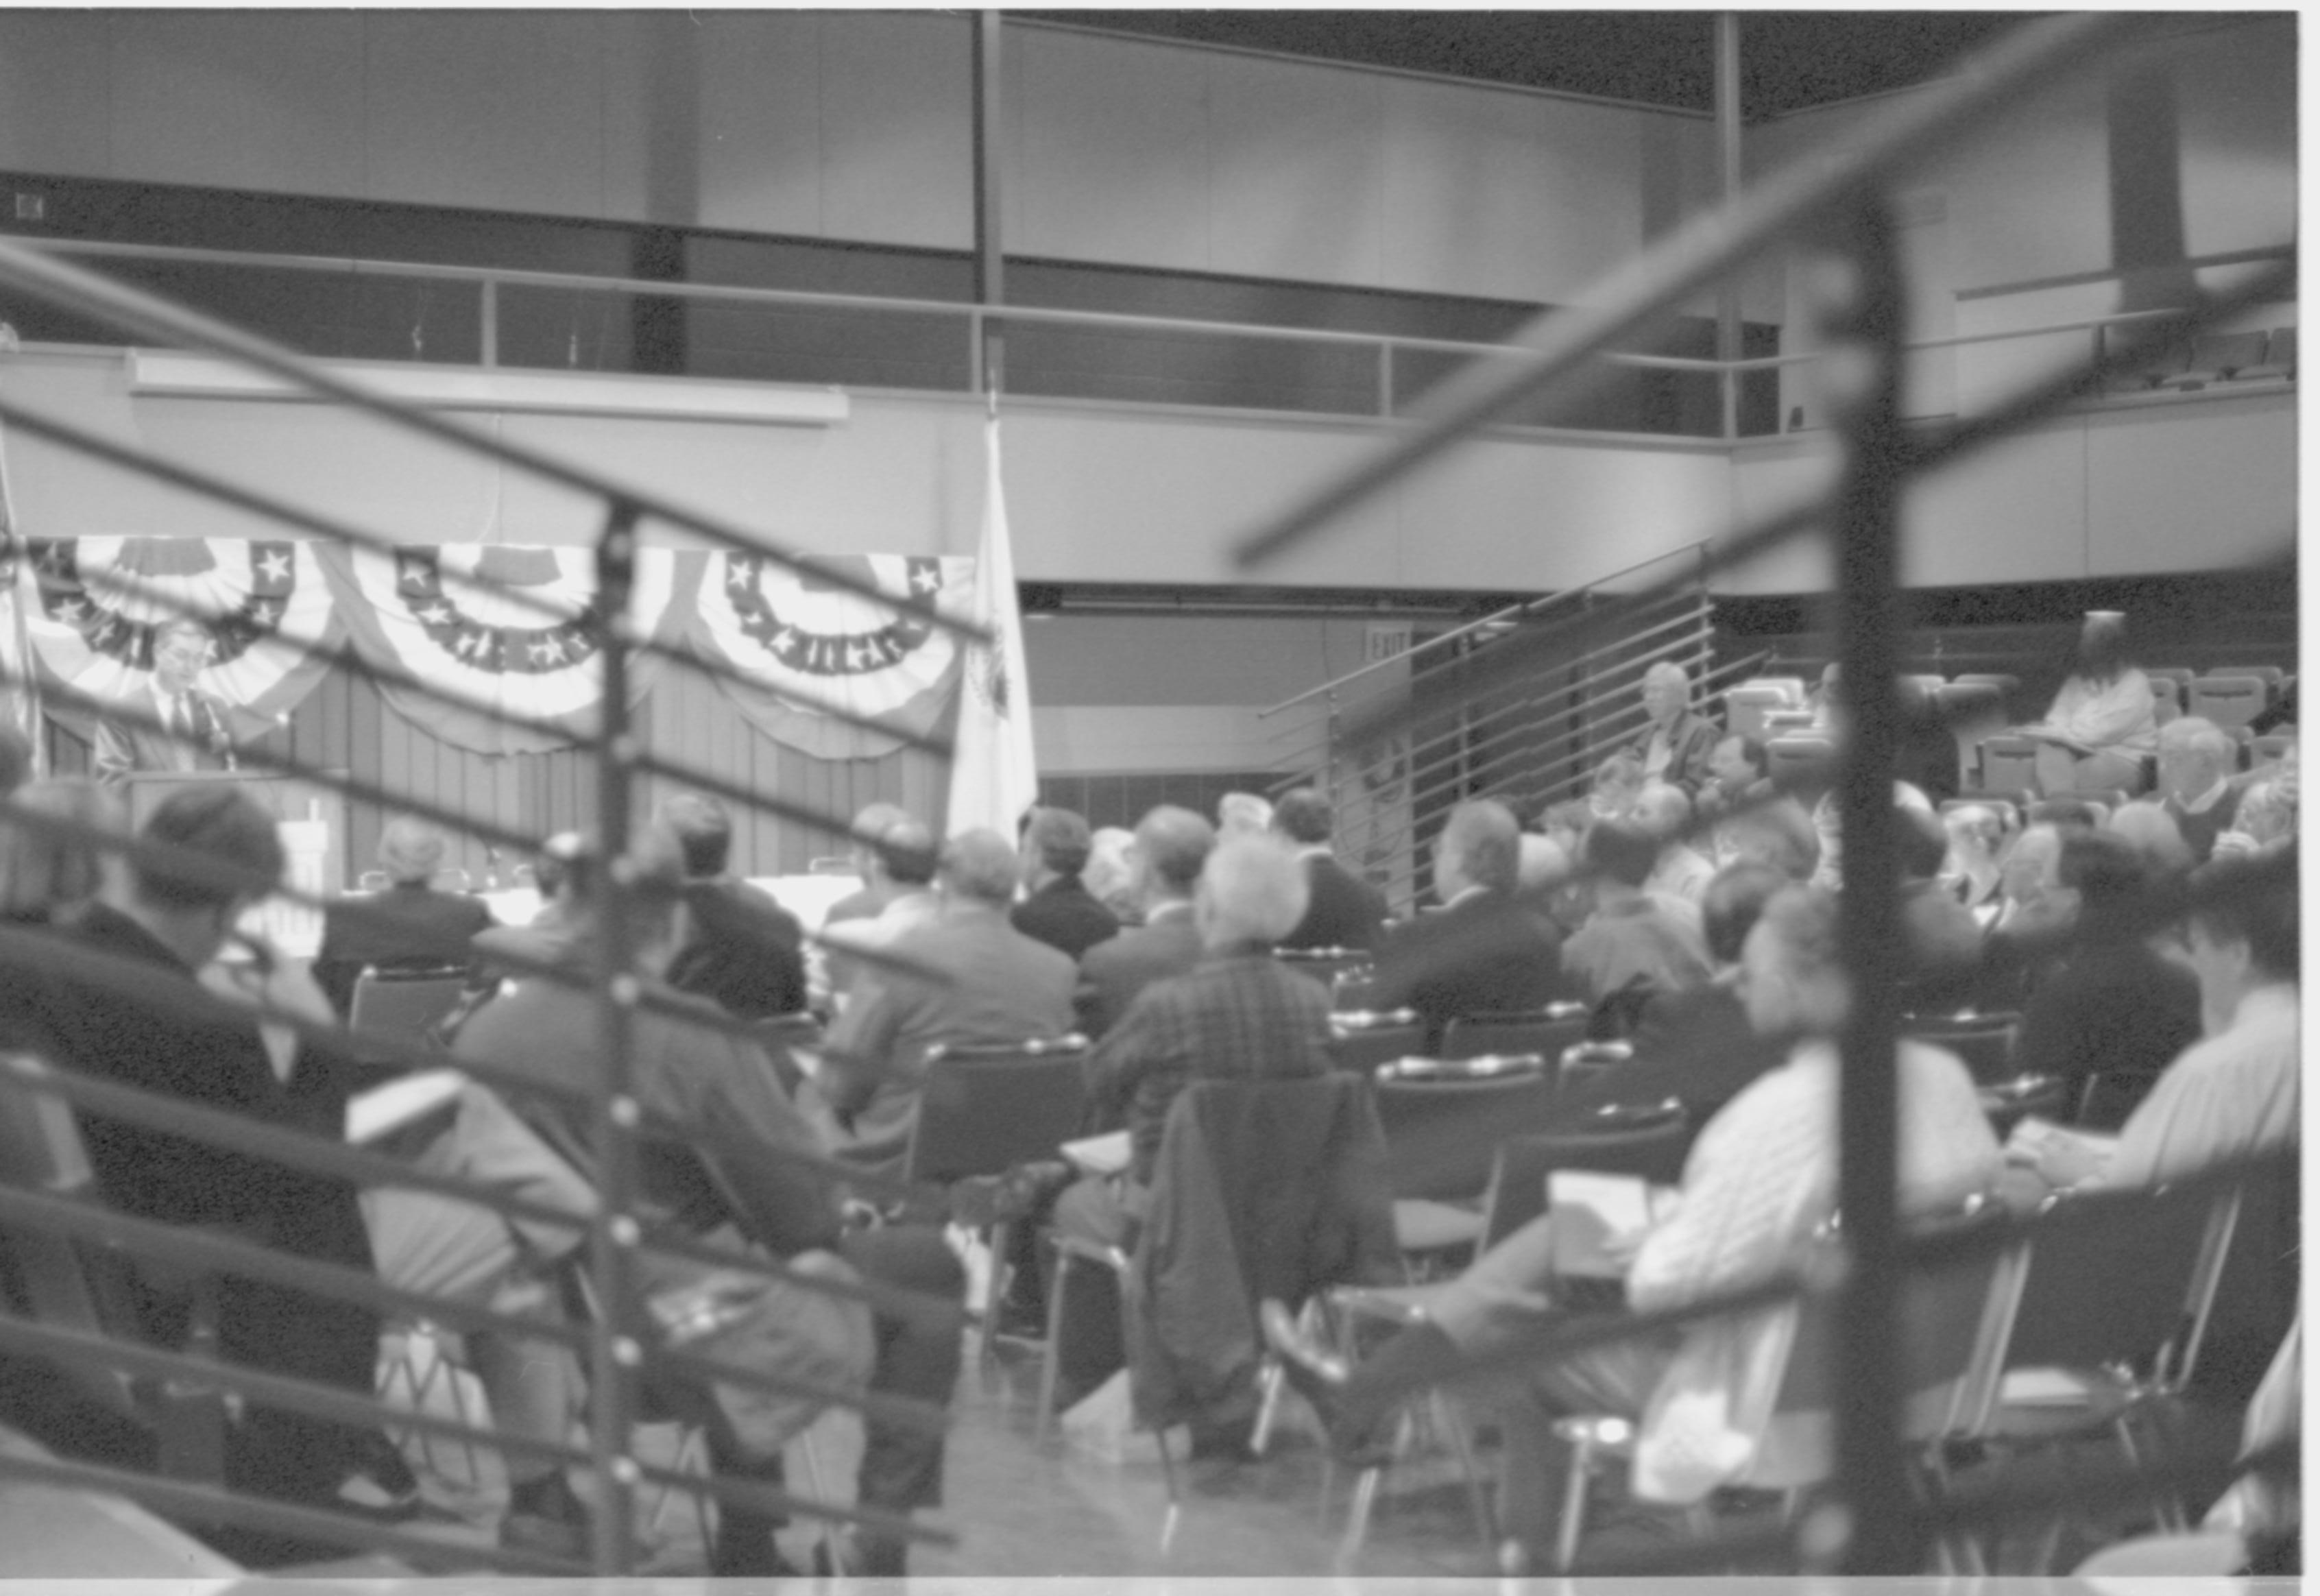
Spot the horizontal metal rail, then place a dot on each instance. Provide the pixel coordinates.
(111, 301)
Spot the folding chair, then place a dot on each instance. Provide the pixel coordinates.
(1442, 1122)
(1971, 711)
(1984, 1041)
(2113, 1310)
(2278, 357)
(1798, 756)
(1746, 705)
(405, 1005)
(1361, 1042)
(2010, 765)
(1955, 1310)
(2230, 699)
(984, 1108)
(1548, 1031)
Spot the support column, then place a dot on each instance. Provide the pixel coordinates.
(1727, 189)
(990, 284)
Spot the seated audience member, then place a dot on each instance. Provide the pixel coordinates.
(742, 950)
(1056, 907)
(47, 879)
(2234, 1096)
(1482, 951)
(1682, 871)
(2026, 942)
(1971, 870)
(1342, 910)
(1618, 782)
(2103, 718)
(1243, 814)
(1563, 824)
(1828, 826)
(1739, 773)
(2146, 827)
(2195, 785)
(1004, 986)
(151, 1026)
(1773, 830)
(1759, 1183)
(502, 953)
(727, 1164)
(408, 926)
(1238, 1014)
(1939, 934)
(1549, 886)
(1695, 1044)
(2265, 822)
(1110, 872)
(1634, 945)
(1676, 744)
(899, 867)
(1171, 845)
(2116, 1007)
(873, 894)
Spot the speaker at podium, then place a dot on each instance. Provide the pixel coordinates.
(312, 818)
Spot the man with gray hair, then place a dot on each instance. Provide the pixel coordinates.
(1171, 846)
(1481, 952)
(1238, 1014)
(408, 926)
(1343, 910)
(2195, 785)
(1675, 745)
(1002, 986)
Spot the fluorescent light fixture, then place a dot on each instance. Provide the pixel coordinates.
(168, 373)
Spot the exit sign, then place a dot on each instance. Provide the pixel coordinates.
(1384, 642)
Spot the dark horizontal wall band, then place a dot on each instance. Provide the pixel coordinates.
(2112, 274)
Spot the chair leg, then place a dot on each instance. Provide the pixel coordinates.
(832, 1542)
(1051, 1356)
(1001, 1282)
(1573, 1522)
(1453, 1424)
(692, 1456)
(1269, 1382)
(1175, 1513)
(1364, 1501)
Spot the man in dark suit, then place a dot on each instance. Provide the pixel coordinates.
(1482, 951)
(1171, 844)
(1058, 910)
(1676, 745)
(1004, 986)
(742, 950)
(409, 926)
(196, 738)
(1343, 910)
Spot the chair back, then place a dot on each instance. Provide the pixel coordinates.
(404, 1004)
(1984, 1041)
(1795, 756)
(57, 1280)
(1953, 1306)
(982, 1109)
(2270, 748)
(1583, 1064)
(2122, 1277)
(1747, 705)
(2009, 764)
(2230, 699)
(1361, 1042)
(1548, 1031)
(1442, 1130)
(1325, 964)
(1651, 1152)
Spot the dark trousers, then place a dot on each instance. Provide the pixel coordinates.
(918, 1357)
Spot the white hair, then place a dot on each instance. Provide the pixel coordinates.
(1668, 670)
(1252, 890)
(2191, 734)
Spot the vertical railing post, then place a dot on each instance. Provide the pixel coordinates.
(487, 316)
(1728, 165)
(1865, 1531)
(618, 1347)
(1385, 379)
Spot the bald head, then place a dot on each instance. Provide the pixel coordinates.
(1171, 845)
(410, 850)
(1663, 812)
(979, 868)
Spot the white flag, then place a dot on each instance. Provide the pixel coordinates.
(994, 776)
(20, 687)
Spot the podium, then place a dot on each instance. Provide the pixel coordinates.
(312, 817)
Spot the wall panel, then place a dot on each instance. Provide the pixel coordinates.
(897, 157)
(56, 92)
(1296, 171)
(760, 124)
(240, 99)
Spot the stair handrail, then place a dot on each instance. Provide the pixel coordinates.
(1527, 608)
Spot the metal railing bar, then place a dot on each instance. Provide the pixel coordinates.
(134, 310)
(202, 483)
(816, 299)
(198, 866)
(202, 1503)
(1705, 248)
(801, 298)
(1528, 607)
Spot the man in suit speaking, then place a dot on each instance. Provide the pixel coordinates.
(197, 738)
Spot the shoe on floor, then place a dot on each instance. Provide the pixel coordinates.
(379, 1485)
